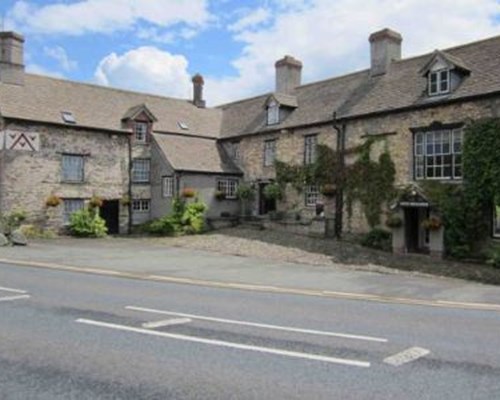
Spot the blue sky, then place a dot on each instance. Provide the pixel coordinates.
(156, 45)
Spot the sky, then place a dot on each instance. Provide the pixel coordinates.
(156, 46)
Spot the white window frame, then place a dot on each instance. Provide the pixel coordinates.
(73, 168)
(310, 146)
(141, 130)
(141, 205)
(141, 170)
(70, 206)
(432, 148)
(273, 113)
(442, 77)
(168, 186)
(228, 186)
(269, 152)
(312, 195)
(496, 221)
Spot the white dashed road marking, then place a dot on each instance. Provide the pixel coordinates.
(12, 298)
(166, 322)
(4, 289)
(258, 325)
(220, 343)
(406, 356)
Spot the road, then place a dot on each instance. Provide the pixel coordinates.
(67, 335)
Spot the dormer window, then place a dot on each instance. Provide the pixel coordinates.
(141, 132)
(439, 82)
(273, 113)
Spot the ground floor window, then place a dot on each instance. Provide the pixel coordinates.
(228, 187)
(312, 195)
(71, 206)
(496, 221)
(141, 205)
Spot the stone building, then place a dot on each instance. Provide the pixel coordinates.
(146, 149)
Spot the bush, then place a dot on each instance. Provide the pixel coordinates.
(378, 239)
(273, 192)
(193, 220)
(164, 226)
(12, 221)
(494, 259)
(87, 223)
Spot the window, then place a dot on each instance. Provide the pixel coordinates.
(72, 168)
(273, 113)
(141, 205)
(235, 151)
(168, 186)
(310, 143)
(438, 154)
(269, 152)
(141, 132)
(70, 206)
(228, 187)
(68, 117)
(183, 125)
(140, 170)
(496, 221)
(312, 195)
(439, 82)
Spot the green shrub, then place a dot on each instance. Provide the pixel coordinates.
(193, 218)
(273, 191)
(12, 221)
(377, 239)
(87, 223)
(494, 259)
(164, 226)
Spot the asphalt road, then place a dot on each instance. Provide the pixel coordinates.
(67, 335)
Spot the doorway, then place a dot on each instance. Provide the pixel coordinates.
(265, 205)
(110, 212)
(416, 237)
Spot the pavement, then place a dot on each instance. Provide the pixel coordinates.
(147, 259)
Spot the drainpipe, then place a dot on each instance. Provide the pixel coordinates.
(129, 142)
(339, 200)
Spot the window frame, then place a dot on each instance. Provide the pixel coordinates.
(421, 155)
(144, 134)
(65, 175)
(166, 194)
(135, 178)
(67, 213)
(144, 205)
(312, 194)
(228, 186)
(273, 113)
(235, 151)
(438, 74)
(269, 152)
(310, 148)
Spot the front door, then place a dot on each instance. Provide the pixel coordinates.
(415, 234)
(110, 212)
(265, 205)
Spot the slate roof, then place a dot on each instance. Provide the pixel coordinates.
(195, 154)
(359, 94)
(43, 99)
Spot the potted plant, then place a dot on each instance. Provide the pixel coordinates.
(273, 191)
(125, 200)
(394, 221)
(188, 193)
(53, 201)
(432, 223)
(219, 195)
(95, 202)
(328, 190)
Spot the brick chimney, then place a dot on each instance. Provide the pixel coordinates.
(385, 46)
(198, 83)
(288, 74)
(11, 58)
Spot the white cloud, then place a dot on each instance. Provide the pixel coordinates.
(59, 54)
(98, 16)
(146, 69)
(252, 20)
(331, 37)
(39, 70)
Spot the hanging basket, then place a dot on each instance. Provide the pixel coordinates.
(432, 223)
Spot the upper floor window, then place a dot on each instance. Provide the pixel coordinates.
(141, 132)
(168, 186)
(438, 154)
(228, 187)
(310, 143)
(439, 82)
(269, 152)
(72, 168)
(140, 170)
(273, 113)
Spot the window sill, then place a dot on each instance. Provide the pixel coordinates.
(141, 183)
(73, 182)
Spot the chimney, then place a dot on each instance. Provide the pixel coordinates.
(288, 74)
(198, 83)
(385, 46)
(11, 58)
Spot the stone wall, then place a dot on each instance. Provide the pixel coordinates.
(29, 177)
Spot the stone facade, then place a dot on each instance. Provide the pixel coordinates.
(29, 177)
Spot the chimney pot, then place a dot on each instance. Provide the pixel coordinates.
(198, 83)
